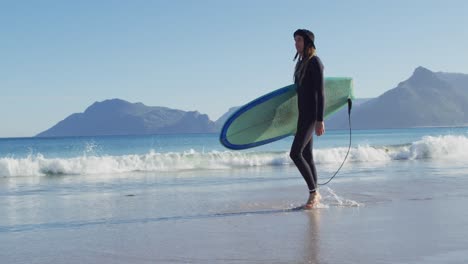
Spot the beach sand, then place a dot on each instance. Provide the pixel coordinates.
(382, 217)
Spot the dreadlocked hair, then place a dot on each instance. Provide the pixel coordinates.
(302, 63)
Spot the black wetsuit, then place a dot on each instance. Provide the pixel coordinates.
(311, 105)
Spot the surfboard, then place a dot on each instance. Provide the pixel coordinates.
(273, 116)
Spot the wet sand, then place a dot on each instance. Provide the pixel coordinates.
(373, 219)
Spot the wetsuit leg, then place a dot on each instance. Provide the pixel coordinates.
(302, 157)
(309, 157)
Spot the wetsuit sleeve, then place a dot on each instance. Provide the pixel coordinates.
(320, 89)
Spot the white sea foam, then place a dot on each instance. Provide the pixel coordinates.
(442, 147)
(329, 197)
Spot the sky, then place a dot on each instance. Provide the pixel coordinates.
(59, 57)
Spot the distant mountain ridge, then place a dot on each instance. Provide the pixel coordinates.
(119, 117)
(425, 99)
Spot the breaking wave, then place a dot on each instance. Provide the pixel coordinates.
(440, 147)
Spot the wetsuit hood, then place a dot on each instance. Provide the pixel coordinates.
(307, 35)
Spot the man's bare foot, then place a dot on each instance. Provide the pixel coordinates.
(313, 201)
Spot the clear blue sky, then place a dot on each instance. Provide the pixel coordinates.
(58, 57)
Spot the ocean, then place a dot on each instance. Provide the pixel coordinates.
(399, 198)
(36, 157)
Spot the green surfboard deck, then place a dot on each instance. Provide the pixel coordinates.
(274, 116)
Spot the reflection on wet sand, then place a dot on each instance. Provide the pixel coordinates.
(312, 237)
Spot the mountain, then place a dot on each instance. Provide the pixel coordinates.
(119, 117)
(339, 120)
(220, 122)
(425, 99)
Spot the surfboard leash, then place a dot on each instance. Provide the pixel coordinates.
(350, 105)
